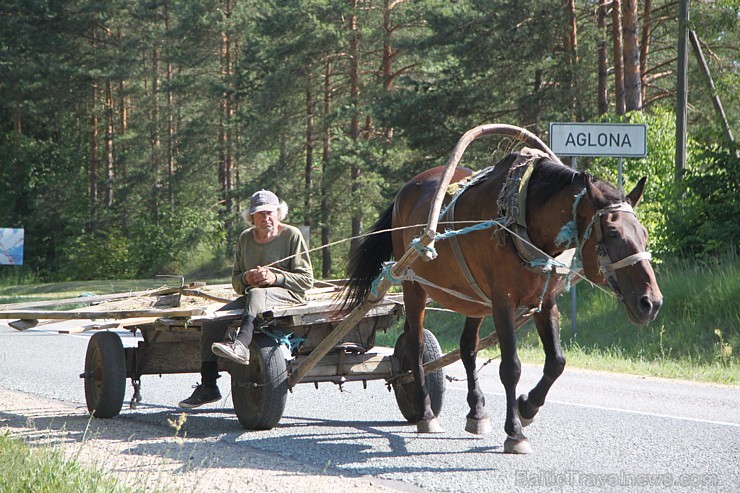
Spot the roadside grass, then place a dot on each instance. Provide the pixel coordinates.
(26, 469)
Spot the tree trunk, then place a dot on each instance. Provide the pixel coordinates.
(170, 118)
(156, 141)
(227, 166)
(309, 146)
(603, 84)
(235, 130)
(18, 181)
(618, 60)
(647, 13)
(122, 128)
(354, 80)
(536, 88)
(388, 56)
(632, 86)
(94, 163)
(571, 49)
(325, 178)
(109, 126)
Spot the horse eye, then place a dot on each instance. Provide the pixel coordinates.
(612, 234)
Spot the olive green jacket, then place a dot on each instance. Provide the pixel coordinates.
(293, 268)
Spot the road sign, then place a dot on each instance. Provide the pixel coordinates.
(11, 246)
(599, 139)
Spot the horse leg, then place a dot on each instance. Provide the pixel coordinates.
(509, 371)
(414, 299)
(477, 422)
(548, 330)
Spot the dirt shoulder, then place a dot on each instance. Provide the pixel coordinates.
(153, 457)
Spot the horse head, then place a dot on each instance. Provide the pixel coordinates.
(614, 248)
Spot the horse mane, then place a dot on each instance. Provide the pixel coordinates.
(550, 177)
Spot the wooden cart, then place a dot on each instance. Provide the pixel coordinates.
(169, 321)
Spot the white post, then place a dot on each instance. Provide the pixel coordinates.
(573, 327)
(619, 175)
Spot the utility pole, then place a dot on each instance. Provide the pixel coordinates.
(681, 89)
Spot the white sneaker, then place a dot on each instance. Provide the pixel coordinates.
(234, 351)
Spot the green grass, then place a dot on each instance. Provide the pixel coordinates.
(26, 469)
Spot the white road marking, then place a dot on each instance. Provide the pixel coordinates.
(617, 409)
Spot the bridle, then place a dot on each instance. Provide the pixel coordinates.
(607, 266)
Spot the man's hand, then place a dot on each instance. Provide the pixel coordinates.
(261, 276)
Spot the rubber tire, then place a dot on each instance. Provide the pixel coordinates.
(105, 370)
(435, 381)
(261, 407)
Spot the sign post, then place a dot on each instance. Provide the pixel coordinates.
(619, 140)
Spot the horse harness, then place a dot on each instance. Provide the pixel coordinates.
(607, 267)
(512, 202)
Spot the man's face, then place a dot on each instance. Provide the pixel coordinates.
(265, 221)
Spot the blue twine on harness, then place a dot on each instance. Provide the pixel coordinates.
(416, 245)
(385, 273)
(476, 227)
(549, 264)
(286, 340)
(568, 234)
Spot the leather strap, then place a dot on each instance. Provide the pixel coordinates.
(461, 258)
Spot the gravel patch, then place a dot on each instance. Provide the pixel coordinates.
(148, 456)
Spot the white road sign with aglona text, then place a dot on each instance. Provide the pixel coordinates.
(598, 139)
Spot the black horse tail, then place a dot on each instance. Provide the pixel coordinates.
(367, 261)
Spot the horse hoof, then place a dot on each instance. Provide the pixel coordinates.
(429, 426)
(478, 426)
(522, 446)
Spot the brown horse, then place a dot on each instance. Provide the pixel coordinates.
(610, 242)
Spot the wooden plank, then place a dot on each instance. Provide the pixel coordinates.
(91, 315)
(331, 309)
(168, 358)
(370, 364)
(89, 327)
(76, 326)
(216, 315)
(87, 299)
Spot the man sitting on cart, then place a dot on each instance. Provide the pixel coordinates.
(271, 267)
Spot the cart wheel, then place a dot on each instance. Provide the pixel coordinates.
(435, 381)
(260, 390)
(105, 375)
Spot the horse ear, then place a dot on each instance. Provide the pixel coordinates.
(636, 194)
(594, 194)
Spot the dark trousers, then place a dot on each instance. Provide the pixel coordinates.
(256, 301)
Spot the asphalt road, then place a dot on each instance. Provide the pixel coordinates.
(597, 431)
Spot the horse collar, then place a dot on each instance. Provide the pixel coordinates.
(512, 206)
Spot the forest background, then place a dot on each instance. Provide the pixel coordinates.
(133, 132)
